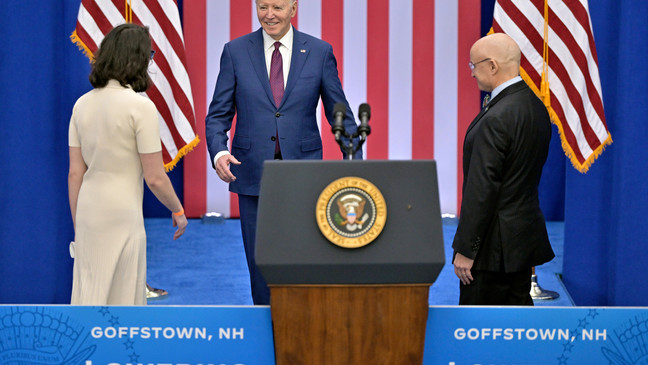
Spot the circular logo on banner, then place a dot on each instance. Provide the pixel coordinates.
(351, 212)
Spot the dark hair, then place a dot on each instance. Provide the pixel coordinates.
(124, 56)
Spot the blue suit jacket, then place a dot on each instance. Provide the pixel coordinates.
(243, 88)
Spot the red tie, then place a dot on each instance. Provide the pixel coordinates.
(276, 75)
(277, 84)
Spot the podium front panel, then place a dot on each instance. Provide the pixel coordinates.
(291, 249)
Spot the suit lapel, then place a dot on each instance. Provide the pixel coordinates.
(509, 90)
(300, 51)
(257, 57)
(477, 118)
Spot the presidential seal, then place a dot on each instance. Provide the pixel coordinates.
(351, 212)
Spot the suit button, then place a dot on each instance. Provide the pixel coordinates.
(277, 115)
(273, 138)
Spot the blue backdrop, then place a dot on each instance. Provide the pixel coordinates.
(42, 74)
(606, 209)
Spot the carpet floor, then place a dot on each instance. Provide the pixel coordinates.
(206, 266)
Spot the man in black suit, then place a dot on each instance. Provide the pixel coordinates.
(501, 233)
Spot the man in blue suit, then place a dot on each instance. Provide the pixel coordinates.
(272, 80)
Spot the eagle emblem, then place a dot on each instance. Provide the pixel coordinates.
(351, 212)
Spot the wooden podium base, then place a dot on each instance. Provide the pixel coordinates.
(349, 324)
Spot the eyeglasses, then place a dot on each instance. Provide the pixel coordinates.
(152, 54)
(472, 65)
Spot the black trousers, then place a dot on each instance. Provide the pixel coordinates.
(497, 288)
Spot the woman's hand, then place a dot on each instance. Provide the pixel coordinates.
(180, 222)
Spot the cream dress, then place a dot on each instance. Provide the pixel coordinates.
(112, 125)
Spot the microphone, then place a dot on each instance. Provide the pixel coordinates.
(364, 113)
(339, 111)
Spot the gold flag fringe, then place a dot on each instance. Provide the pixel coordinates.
(569, 152)
(82, 47)
(181, 153)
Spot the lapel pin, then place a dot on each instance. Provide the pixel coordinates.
(302, 50)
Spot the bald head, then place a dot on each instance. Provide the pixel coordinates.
(504, 58)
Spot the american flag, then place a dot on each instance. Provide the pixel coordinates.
(406, 58)
(558, 50)
(171, 89)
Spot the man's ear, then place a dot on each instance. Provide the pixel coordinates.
(493, 66)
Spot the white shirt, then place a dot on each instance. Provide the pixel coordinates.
(503, 86)
(285, 49)
(286, 55)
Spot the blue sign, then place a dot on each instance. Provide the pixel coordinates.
(160, 335)
(135, 335)
(528, 335)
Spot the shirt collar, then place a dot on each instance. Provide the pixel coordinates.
(503, 86)
(286, 40)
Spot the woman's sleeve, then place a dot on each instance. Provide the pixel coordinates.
(147, 128)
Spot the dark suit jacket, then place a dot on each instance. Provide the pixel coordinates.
(501, 226)
(243, 88)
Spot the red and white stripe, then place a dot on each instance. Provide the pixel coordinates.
(406, 58)
(576, 104)
(171, 89)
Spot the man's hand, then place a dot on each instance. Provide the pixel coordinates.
(462, 266)
(222, 167)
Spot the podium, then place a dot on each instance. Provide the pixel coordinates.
(349, 250)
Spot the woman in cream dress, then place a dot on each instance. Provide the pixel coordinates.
(114, 143)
